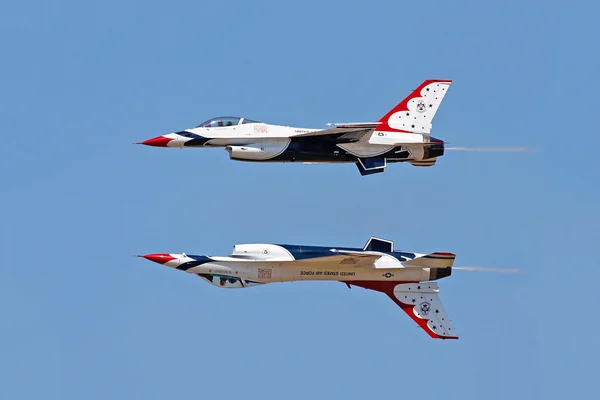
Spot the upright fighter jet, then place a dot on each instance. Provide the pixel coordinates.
(401, 135)
(406, 277)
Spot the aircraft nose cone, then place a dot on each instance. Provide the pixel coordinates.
(159, 258)
(159, 141)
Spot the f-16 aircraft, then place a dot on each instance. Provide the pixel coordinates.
(406, 277)
(401, 135)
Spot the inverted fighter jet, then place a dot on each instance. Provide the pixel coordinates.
(401, 135)
(406, 277)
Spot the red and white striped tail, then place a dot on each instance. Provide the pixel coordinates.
(415, 113)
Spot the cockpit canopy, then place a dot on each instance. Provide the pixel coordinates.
(225, 121)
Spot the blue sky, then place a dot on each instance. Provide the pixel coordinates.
(82, 318)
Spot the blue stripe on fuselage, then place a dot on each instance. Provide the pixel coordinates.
(301, 252)
(198, 260)
(197, 140)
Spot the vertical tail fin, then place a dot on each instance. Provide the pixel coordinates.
(415, 113)
(422, 303)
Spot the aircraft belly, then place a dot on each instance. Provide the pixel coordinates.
(355, 274)
(313, 157)
(313, 149)
(267, 273)
(258, 151)
(262, 272)
(238, 140)
(364, 150)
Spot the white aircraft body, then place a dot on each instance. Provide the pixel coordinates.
(406, 277)
(402, 135)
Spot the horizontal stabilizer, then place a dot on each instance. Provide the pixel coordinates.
(371, 165)
(433, 260)
(377, 244)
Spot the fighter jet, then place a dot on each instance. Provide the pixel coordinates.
(401, 135)
(406, 277)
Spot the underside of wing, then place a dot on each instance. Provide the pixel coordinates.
(338, 260)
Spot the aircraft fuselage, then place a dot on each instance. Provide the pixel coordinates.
(275, 143)
(252, 264)
(405, 277)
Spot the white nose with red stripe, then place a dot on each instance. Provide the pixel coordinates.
(169, 260)
(182, 262)
(169, 140)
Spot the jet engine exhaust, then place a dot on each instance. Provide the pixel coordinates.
(493, 149)
(491, 269)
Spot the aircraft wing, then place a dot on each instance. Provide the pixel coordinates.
(420, 301)
(358, 133)
(346, 260)
(353, 134)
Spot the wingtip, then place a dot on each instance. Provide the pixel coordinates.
(444, 253)
(438, 81)
(448, 337)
